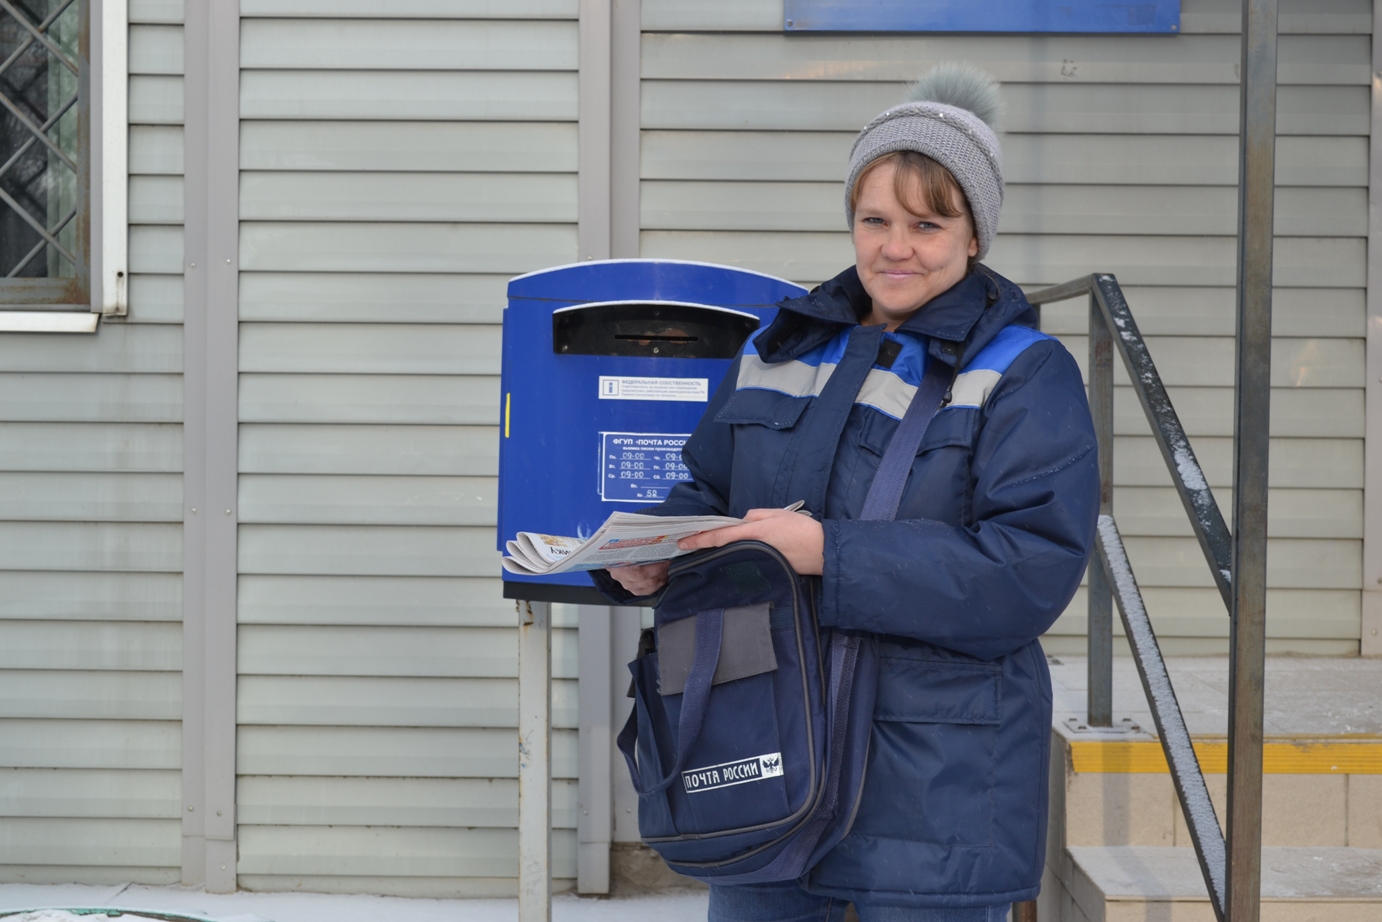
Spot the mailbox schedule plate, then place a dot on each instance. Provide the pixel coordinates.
(640, 467)
(582, 436)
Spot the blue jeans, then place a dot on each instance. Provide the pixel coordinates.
(788, 902)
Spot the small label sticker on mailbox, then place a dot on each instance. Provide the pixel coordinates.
(625, 387)
(640, 467)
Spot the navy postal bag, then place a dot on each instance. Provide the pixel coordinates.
(749, 735)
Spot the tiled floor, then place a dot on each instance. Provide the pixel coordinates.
(1287, 873)
(1305, 696)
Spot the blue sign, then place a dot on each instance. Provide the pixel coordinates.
(1147, 16)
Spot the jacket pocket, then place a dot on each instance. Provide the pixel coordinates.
(938, 486)
(938, 691)
(948, 428)
(760, 407)
(933, 767)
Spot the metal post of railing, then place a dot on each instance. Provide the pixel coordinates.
(1252, 391)
(1112, 325)
(534, 761)
(1100, 627)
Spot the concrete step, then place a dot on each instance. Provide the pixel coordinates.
(1113, 788)
(1118, 846)
(1145, 883)
(1322, 781)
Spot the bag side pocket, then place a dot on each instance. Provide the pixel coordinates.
(734, 776)
(746, 648)
(655, 735)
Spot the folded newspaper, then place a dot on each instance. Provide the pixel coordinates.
(626, 538)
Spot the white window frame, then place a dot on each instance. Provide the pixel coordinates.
(110, 180)
(108, 284)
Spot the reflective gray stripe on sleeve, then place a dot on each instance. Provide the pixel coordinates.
(972, 388)
(882, 390)
(886, 392)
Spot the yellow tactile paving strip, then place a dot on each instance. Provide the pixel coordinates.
(1279, 757)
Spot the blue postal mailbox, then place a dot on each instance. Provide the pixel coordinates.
(607, 369)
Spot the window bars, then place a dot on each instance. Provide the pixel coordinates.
(44, 153)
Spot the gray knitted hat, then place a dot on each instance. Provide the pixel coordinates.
(950, 119)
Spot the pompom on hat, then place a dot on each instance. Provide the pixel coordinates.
(951, 117)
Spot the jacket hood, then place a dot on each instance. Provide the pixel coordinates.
(959, 321)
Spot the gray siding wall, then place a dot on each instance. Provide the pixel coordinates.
(91, 541)
(1121, 156)
(399, 162)
(395, 172)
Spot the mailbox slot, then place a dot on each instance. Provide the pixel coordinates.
(651, 329)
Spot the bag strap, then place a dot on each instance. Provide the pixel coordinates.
(885, 493)
(695, 698)
(805, 470)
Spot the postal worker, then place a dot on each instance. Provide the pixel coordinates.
(994, 530)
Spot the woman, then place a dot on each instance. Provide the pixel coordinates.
(989, 544)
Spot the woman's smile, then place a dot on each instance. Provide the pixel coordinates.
(907, 255)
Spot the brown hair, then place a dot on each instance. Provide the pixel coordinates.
(920, 184)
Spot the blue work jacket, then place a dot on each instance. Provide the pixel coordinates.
(991, 539)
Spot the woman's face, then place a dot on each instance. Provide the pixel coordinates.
(906, 259)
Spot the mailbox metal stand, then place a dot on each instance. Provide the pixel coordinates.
(607, 369)
(534, 761)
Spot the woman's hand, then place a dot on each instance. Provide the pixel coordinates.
(799, 538)
(641, 580)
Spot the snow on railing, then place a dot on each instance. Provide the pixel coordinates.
(1170, 723)
(1111, 318)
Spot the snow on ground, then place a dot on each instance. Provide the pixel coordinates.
(61, 915)
(678, 906)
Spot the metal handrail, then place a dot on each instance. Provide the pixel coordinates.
(1111, 323)
(1109, 307)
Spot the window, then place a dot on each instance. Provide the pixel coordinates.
(45, 160)
(64, 89)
